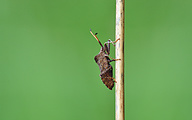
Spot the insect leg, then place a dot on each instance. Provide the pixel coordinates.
(114, 79)
(110, 41)
(112, 58)
(110, 77)
(107, 47)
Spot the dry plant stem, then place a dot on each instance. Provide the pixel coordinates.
(119, 71)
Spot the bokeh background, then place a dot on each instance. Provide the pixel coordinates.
(47, 70)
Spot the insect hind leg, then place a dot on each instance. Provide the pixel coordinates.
(114, 80)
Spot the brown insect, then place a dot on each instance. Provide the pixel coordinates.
(103, 61)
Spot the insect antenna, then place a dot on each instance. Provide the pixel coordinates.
(94, 35)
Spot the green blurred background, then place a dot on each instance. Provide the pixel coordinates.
(47, 70)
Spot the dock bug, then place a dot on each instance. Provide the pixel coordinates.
(103, 61)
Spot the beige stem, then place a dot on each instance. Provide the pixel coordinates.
(119, 71)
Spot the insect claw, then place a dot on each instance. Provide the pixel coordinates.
(96, 33)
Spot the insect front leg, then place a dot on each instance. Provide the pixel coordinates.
(107, 45)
